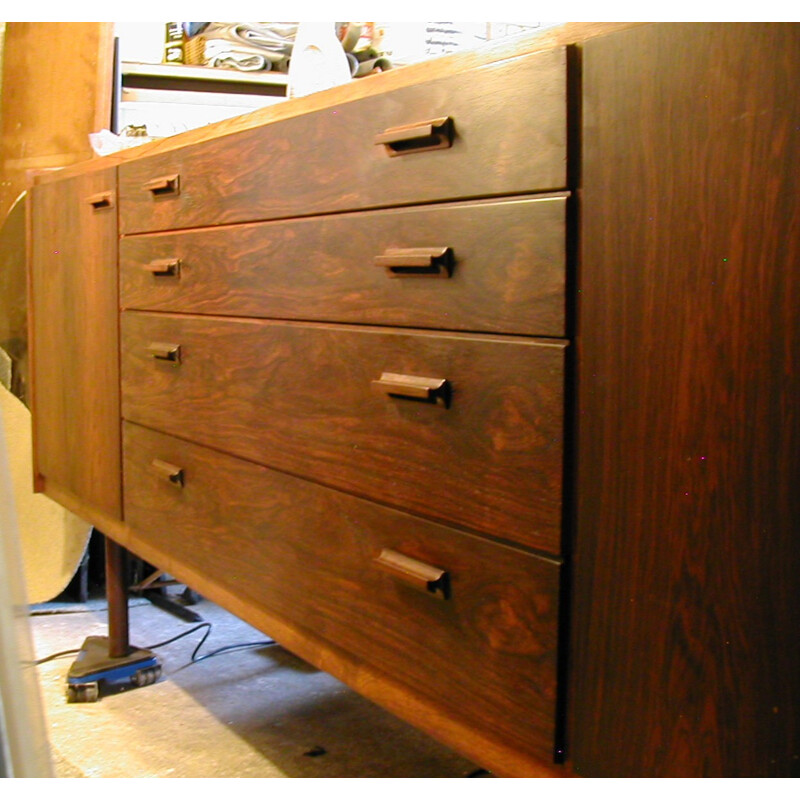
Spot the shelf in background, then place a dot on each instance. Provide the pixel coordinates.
(182, 77)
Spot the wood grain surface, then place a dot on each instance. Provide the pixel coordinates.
(687, 653)
(512, 47)
(508, 273)
(74, 345)
(57, 81)
(300, 397)
(307, 555)
(511, 116)
(682, 555)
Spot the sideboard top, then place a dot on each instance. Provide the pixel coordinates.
(562, 35)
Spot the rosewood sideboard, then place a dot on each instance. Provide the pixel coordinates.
(474, 384)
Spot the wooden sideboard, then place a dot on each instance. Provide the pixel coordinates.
(472, 384)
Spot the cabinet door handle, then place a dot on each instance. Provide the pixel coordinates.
(101, 200)
(165, 185)
(163, 351)
(435, 134)
(413, 387)
(417, 262)
(167, 471)
(417, 574)
(164, 267)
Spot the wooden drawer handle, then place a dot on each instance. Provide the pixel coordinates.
(436, 134)
(415, 573)
(162, 351)
(165, 185)
(101, 200)
(167, 471)
(163, 267)
(417, 262)
(412, 387)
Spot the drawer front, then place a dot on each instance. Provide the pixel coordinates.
(481, 644)
(504, 133)
(367, 411)
(492, 266)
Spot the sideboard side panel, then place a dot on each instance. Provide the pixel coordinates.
(686, 654)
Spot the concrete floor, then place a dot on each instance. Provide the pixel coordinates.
(251, 713)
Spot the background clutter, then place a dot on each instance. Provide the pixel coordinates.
(267, 46)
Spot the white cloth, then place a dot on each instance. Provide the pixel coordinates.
(52, 539)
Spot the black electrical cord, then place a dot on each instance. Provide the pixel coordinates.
(206, 625)
(62, 654)
(218, 651)
(195, 658)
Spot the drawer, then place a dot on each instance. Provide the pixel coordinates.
(462, 428)
(499, 129)
(481, 643)
(489, 266)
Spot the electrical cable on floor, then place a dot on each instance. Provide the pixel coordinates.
(181, 635)
(227, 648)
(195, 658)
(53, 656)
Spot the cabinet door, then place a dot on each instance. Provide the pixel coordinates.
(74, 349)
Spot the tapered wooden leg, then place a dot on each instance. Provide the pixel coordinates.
(117, 597)
(105, 660)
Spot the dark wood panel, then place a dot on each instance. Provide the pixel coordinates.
(306, 554)
(74, 339)
(687, 658)
(301, 398)
(511, 116)
(508, 272)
